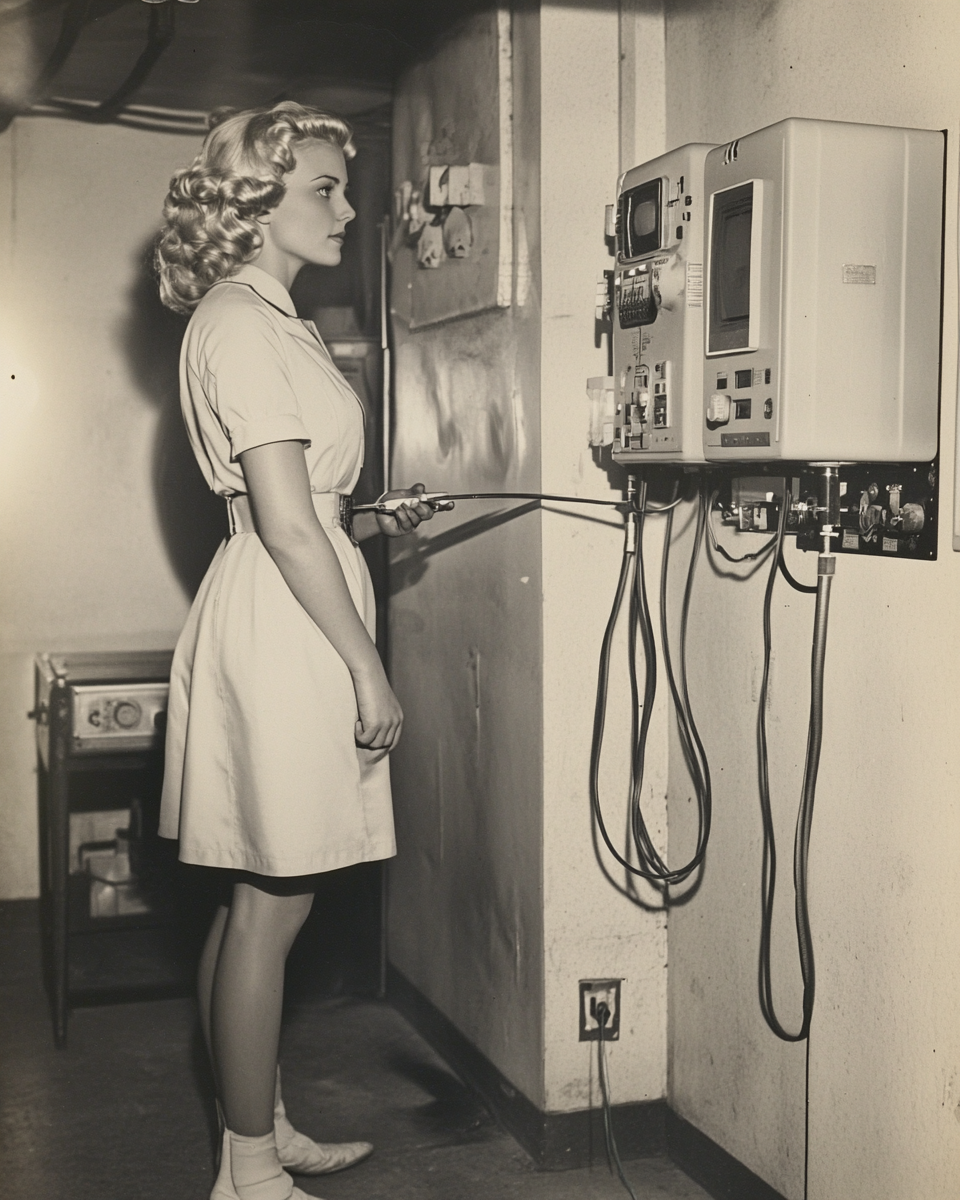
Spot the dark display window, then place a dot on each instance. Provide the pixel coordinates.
(731, 236)
(640, 220)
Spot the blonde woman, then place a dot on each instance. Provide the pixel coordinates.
(281, 717)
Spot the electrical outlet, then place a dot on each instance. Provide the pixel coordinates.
(594, 992)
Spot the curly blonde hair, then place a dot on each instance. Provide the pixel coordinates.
(212, 207)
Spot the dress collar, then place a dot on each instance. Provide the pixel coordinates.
(266, 287)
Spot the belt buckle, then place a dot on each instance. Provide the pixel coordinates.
(346, 516)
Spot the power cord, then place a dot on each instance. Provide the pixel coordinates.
(809, 588)
(825, 570)
(651, 864)
(690, 741)
(754, 556)
(439, 499)
(613, 1155)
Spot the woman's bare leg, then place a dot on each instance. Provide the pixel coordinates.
(205, 977)
(247, 998)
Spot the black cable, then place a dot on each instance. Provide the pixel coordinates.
(651, 865)
(641, 622)
(600, 710)
(754, 556)
(613, 1155)
(809, 588)
(75, 17)
(506, 496)
(160, 31)
(805, 813)
(690, 741)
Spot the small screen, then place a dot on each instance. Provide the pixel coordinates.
(645, 218)
(730, 268)
(639, 220)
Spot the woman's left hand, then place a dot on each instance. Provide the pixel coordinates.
(406, 517)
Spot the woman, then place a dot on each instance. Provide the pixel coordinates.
(281, 717)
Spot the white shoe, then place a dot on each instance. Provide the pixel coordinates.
(302, 1155)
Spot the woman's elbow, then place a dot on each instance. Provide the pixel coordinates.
(291, 539)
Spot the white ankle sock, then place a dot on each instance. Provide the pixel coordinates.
(257, 1174)
(282, 1128)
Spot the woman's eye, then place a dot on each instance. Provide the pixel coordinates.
(325, 191)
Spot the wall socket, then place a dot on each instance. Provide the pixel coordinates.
(592, 992)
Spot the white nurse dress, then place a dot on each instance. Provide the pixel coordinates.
(262, 770)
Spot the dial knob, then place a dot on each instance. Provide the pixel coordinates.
(127, 714)
(718, 409)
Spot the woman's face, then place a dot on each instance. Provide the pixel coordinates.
(308, 224)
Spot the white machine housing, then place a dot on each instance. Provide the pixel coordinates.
(658, 309)
(822, 297)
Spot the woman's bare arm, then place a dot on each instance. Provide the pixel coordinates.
(279, 489)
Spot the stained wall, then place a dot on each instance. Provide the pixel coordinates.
(884, 1068)
(497, 904)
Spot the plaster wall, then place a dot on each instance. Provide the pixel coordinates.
(91, 442)
(465, 910)
(884, 1105)
(591, 928)
(497, 904)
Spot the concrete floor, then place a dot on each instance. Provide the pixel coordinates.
(124, 1112)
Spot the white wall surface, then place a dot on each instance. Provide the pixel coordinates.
(95, 486)
(884, 1119)
(590, 930)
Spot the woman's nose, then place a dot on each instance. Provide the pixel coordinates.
(347, 211)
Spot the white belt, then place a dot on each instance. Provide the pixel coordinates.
(332, 509)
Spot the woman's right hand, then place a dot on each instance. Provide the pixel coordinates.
(381, 717)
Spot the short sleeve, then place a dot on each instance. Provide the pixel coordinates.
(246, 377)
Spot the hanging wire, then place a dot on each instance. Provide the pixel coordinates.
(754, 556)
(809, 588)
(613, 1154)
(75, 17)
(808, 795)
(651, 865)
(690, 741)
(160, 33)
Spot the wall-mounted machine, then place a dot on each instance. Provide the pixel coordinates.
(823, 265)
(809, 349)
(657, 311)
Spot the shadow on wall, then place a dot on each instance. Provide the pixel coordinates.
(192, 518)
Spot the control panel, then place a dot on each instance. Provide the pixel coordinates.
(887, 510)
(657, 309)
(127, 715)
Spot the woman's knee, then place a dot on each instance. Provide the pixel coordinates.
(268, 915)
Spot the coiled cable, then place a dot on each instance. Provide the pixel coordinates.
(650, 865)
